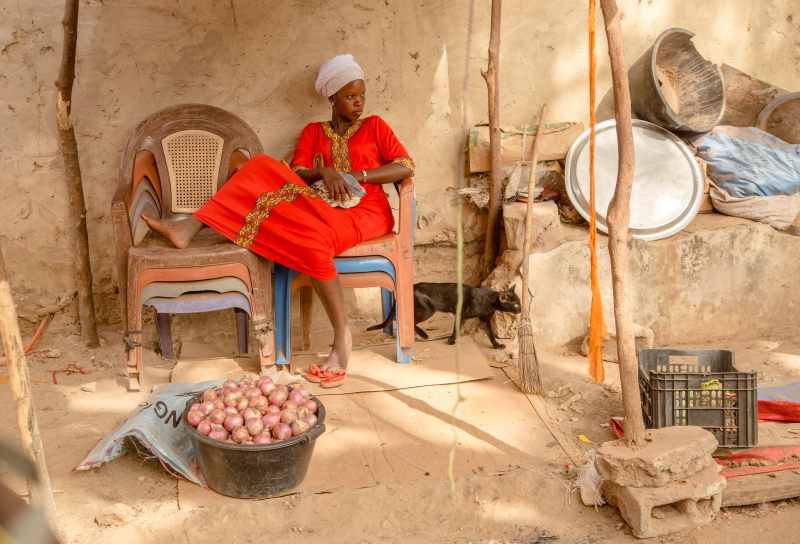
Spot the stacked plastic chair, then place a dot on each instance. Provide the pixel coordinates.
(173, 162)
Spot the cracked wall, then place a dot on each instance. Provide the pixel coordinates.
(259, 60)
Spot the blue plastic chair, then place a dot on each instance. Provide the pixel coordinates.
(344, 265)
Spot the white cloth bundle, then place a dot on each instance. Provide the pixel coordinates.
(335, 73)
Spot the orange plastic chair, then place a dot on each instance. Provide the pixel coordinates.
(172, 163)
(396, 247)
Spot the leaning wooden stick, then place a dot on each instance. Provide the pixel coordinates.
(618, 219)
(39, 491)
(492, 77)
(530, 378)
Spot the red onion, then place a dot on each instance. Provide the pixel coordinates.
(204, 427)
(302, 411)
(195, 417)
(210, 394)
(271, 409)
(254, 425)
(262, 380)
(196, 406)
(250, 413)
(299, 427)
(230, 410)
(240, 435)
(282, 431)
(218, 433)
(289, 405)
(252, 393)
(230, 384)
(296, 397)
(217, 416)
(267, 388)
(287, 416)
(232, 421)
(311, 405)
(247, 380)
(260, 403)
(243, 403)
(231, 399)
(207, 407)
(270, 420)
(219, 403)
(262, 438)
(224, 391)
(238, 390)
(277, 397)
(304, 389)
(281, 387)
(311, 419)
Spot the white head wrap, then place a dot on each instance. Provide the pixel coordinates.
(335, 73)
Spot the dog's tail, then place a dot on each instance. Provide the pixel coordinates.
(386, 322)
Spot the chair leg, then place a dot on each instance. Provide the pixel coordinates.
(405, 309)
(164, 336)
(386, 305)
(281, 290)
(307, 302)
(242, 330)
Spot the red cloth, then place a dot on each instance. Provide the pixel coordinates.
(269, 209)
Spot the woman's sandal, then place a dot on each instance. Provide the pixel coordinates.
(315, 374)
(334, 379)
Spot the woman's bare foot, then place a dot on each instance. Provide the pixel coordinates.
(340, 353)
(178, 231)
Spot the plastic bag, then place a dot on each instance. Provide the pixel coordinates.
(590, 482)
(746, 161)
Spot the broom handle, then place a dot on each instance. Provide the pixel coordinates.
(526, 250)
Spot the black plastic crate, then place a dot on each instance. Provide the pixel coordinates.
(678, 388)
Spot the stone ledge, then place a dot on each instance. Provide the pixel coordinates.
(672, 453)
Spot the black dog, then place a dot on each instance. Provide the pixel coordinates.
(480, 302)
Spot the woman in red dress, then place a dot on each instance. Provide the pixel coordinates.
(276, 213)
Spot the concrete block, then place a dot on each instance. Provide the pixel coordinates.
(677, 506)
(644, 338)
(671, 454)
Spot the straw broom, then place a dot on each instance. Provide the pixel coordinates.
(530, 378)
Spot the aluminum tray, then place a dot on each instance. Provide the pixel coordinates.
(667, 182)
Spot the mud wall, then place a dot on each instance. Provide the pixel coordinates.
(259, 60)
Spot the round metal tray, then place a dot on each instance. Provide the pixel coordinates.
(667, 182)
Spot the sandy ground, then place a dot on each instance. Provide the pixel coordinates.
(523, 505)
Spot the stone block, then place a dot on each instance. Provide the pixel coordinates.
(671, 454)
(644, 339)
(677, 506)
(545, 216)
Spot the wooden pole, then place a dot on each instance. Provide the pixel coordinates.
(492, 77)
(39, 491)
(619, 218)
(72, 171)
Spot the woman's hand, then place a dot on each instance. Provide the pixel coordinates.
(337, 186)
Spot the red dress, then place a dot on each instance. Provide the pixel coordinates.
(270, 210)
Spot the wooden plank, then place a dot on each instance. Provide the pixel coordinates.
(758, 488)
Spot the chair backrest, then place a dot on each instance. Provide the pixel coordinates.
(192, 145)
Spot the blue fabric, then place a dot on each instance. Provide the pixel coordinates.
(784, 393)
(749, 162)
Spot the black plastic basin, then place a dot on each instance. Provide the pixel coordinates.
(251, 471)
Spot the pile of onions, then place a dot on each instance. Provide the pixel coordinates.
(254, 411)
